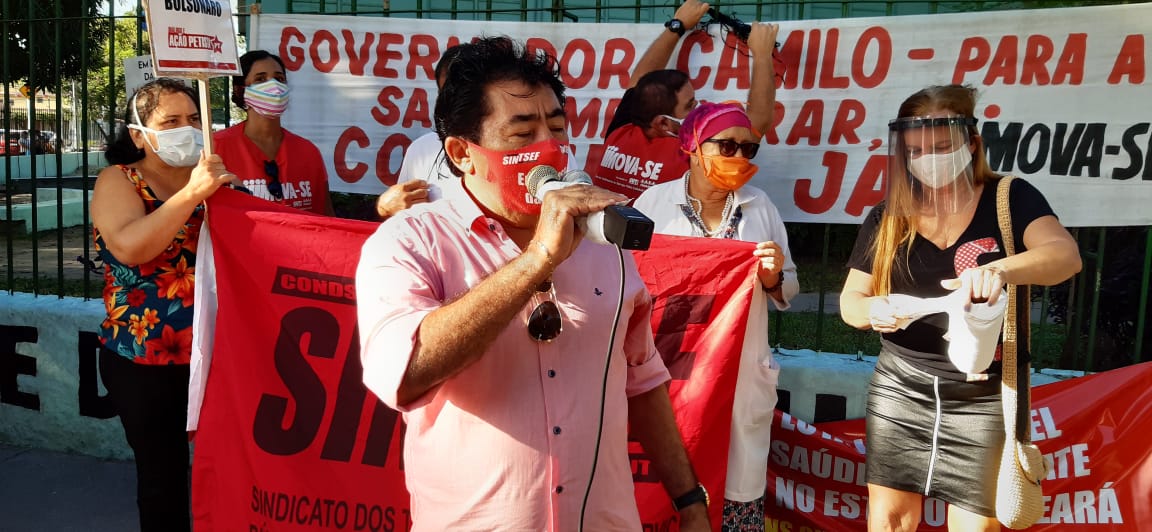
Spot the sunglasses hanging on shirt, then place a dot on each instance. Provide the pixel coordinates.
(545, 322)
(272, 170)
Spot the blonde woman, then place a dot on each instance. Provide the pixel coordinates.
(933, 430)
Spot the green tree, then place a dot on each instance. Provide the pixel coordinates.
(35, 31)
(106, 81)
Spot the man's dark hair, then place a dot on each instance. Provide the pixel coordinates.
(653, 95)
(462, 104)
(122, 150)
(246, 62)
(446, 60)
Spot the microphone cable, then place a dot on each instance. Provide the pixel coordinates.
(604, 390)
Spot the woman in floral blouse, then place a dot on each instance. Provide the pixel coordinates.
(147, 207)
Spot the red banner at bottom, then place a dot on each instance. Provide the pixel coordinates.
(1093, 430)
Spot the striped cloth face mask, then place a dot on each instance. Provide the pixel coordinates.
(269, 98)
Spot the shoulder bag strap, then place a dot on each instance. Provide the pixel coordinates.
(1014, 383)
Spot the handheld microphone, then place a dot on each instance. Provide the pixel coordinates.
(620, 225)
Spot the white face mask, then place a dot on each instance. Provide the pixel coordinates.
(674, 120)
(179, 147)
(940, 169)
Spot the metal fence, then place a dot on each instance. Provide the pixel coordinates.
(68, 54)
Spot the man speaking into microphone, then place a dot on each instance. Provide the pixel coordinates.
(492, 325)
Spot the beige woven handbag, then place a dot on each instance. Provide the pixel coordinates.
(1019, 498)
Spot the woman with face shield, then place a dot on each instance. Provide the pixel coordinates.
(147, 208)
(274, 163)
(713, 200)
(934, 429)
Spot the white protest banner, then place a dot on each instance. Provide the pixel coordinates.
(193, 38)
(1059, 89)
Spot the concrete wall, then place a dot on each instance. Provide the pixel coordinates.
(68, 203)
(820, 387)
(51, 396)
(71, 163)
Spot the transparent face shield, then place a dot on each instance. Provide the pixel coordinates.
(930, 165)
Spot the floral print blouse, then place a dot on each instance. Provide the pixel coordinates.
(149, 305)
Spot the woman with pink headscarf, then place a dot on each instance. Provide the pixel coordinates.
(713, 200)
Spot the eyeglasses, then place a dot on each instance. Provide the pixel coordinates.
(728, 147)
(272, 170)
(545, 323)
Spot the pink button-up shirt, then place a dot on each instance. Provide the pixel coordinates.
(507, 444)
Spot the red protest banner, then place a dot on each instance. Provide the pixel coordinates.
(1093, 431)
(289, 438)
(702, 289)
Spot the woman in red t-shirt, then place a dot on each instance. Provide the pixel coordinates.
(640, 147)
(274, 163)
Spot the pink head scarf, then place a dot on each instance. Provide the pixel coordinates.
(708, 119)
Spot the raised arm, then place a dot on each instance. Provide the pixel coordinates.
(658, 54)
(134, 236)
(762, 91)
(456, 335)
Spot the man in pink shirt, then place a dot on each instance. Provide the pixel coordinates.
(487, 321)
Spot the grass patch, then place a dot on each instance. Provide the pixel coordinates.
(1047, 345)
(815, 276)
(829, 334)
(820, 332)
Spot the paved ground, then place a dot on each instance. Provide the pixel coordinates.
(43, 491)
(49, 254)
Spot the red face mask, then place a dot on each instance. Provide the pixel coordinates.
(507, 170)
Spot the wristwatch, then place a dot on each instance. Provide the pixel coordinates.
(694, 495)
(675, 26)
(779, 281)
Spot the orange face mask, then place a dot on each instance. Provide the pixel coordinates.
(727, 173)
